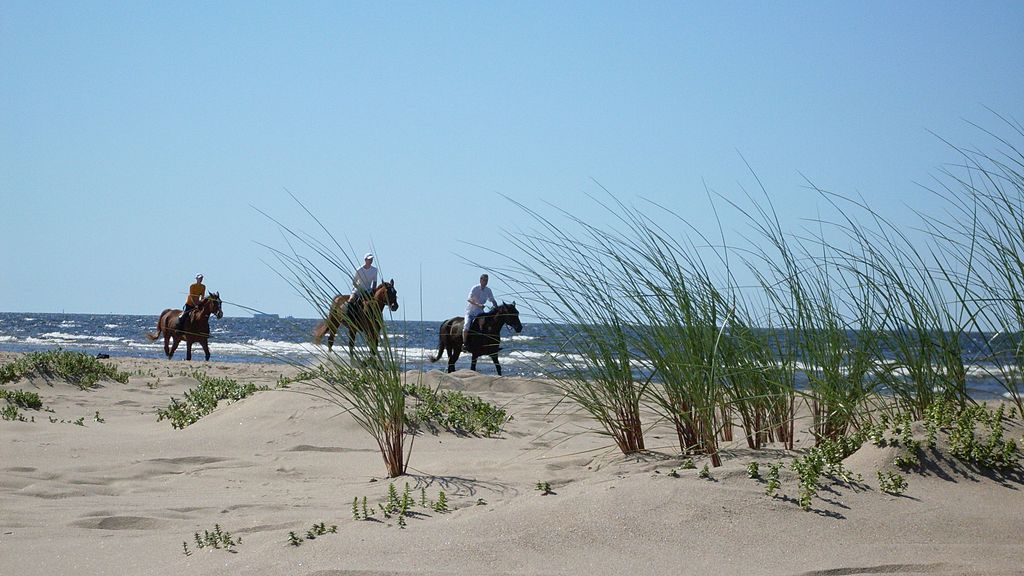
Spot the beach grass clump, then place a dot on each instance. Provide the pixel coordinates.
(77, 368)
(828, 319)
(455, 411)
(367, 383)
(859, 315)
(203, 399)
(370, 389)
(984, 234)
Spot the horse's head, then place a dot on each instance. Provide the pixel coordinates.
(508, 314)
(212, 305)
(387, 295)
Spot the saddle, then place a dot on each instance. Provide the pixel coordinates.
(183, 320)
(354, 312)
(479, 336)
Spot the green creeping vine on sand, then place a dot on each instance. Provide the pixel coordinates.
(22, 399)
(79, 369)
(975, 437)
(454, 411)
(203, 399)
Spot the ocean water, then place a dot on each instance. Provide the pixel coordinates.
(261, 339)
(277, 340)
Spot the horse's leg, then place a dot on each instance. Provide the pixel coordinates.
(454, 351)
(167, 346)
(494, 357)
(351, 343)
(206, 349)
(472, 363)
(330, 340)
(174, 346)
(188, 349)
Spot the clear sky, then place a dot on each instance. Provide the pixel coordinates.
(137, 139)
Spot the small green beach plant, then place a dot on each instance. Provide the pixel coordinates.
(772, 481)
(441, 505)
(704, 473)
(892, 483)
(216, 538)
(753, 471)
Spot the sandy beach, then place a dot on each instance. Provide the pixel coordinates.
(120, 493)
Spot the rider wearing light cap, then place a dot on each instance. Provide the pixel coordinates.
(364, 281)
(195, 294)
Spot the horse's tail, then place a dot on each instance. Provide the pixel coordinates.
(319, 332)
(440, 340)
(159, 326)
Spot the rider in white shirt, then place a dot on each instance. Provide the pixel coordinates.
(364, 281)
(478, 296)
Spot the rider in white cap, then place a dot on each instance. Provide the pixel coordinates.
(364, 281)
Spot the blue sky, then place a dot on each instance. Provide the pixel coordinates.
(138, 139)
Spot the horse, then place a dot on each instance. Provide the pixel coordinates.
(365, 315)
(484, 336)
(196, 330)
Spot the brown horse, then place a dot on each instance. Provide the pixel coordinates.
(484, 336)
(365, 315)
(197, 329)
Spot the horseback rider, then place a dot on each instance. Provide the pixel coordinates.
(364, 281)
(196, 292)
(478, 296)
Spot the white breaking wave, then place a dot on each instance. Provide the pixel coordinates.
(65, 337)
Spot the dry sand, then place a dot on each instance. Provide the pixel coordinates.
(120, 497)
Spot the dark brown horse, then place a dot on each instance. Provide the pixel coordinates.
(484, 336)
(197, 329)
(365, 315)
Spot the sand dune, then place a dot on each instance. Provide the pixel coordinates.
(120, 496)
